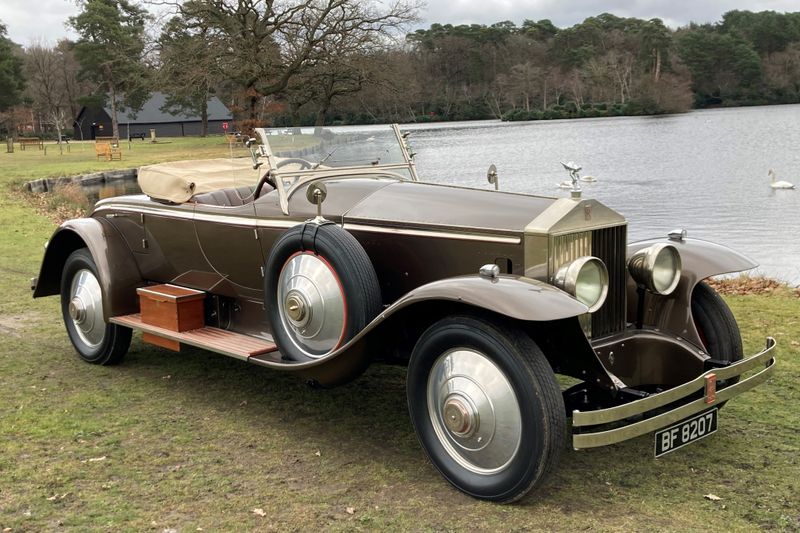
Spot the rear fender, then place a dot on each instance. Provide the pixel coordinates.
(119, 275)
(700, 260)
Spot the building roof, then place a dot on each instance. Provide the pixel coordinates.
(151, 112)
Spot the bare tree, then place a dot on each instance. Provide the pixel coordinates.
(47, 85)
(260, 45)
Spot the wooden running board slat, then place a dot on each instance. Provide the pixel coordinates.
(214, 339)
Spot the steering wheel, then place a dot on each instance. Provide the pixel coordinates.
(266, 178)
(296, 160)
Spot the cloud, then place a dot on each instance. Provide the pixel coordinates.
(44, 20)
(565, 13)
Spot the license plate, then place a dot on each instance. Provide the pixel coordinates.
(685, 432)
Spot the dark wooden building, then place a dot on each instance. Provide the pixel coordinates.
(94, 122)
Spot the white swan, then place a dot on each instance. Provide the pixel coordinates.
(779, 184)
(564, 185)
(590, 179)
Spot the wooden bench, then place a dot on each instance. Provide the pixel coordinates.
(107, 148)
(24, 141)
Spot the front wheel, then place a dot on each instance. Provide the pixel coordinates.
(486, 407)
(716, 327)
(95, 340)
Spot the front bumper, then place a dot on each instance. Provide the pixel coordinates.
(597, 421)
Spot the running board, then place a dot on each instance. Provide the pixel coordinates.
(236, 345)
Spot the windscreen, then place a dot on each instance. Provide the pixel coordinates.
(335, 147)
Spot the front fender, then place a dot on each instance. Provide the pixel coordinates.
(516, 297)
(513, 296)
(119, 275)
(700, 259)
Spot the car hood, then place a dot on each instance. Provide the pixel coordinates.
(434, 206)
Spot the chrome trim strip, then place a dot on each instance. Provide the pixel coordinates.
(434, 234)
(286, 224)
(175, 213)
(204, 217)
(615, 414)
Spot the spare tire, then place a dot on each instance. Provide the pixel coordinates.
(320, 290)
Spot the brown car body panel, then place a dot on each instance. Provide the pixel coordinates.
(423, 250)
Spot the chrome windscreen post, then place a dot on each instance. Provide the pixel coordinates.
(252, 145)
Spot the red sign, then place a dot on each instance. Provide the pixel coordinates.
(224, 125)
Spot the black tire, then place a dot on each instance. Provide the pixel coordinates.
(542, 420)
(717, 327)
(112, 341)
(349, 264)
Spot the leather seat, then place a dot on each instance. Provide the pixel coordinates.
(232, 197)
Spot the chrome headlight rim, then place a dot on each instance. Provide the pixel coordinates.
(643, 263)
(568, 276)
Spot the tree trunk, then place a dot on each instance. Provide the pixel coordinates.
(320, 120)
(204, 118)
(112, 91)
(114, 123)
(544, 96)
(657, 70)
(57, 121)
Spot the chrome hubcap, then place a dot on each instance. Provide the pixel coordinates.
(474, 411)
(312, 306)
(459, 416)
(85, 308)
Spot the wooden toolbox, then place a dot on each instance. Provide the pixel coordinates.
(170, 307)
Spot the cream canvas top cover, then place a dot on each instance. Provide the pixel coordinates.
(178, 181)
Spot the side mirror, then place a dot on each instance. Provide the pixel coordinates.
(492, 177)
(316, 194)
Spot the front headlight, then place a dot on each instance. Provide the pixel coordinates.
(585, 278)
(657, 268)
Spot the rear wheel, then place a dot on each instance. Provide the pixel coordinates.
(95, 340)
(486, 407)
(716, 327)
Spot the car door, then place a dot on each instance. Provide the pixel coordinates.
(228, 239)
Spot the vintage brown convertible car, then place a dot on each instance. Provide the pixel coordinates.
(325, 252)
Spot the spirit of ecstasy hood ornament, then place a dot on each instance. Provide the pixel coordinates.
(573, 169)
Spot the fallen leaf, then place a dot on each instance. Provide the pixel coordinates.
(795, 343)
(95, 459)
(350, 510)
(242, 403)
(712, 497)
(318, 453)
(259, 512)
(7, 530)
(166, 377)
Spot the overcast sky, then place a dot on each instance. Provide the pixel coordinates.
(28, 21)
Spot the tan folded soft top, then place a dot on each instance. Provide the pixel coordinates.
(178, 181)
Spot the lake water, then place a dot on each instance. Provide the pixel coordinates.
(704, 171)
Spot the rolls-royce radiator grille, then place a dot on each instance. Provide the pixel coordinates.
(608, 244)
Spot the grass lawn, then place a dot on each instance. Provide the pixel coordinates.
(196, 441)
